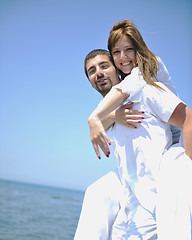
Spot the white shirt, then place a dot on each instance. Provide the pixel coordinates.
(139, 151)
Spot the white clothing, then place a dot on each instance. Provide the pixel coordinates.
(133, 221)
(101, 208)
(164, 77)
(174, 198)
(139, 156)
(98, 214)
(139, 151)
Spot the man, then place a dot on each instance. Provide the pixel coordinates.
(102, 199)
(138, 223)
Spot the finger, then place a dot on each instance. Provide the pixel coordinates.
(104, 147)
(130, 125)
(135, 112)
(107, 138)
(133, 122)
(95, 146)
(133, 117)
(103, 143)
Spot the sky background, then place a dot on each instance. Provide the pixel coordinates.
(45, 98)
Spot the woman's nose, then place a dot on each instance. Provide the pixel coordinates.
(123, 55)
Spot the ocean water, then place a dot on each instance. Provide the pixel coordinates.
(34, 212)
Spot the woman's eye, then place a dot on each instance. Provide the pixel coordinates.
(130, 49)
(115, 52)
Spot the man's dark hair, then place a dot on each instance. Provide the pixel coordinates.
(93, 54)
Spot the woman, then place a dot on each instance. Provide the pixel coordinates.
(139, 153)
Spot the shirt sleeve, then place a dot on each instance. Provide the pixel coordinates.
(164, 77)
(132, 83)
(160, 103)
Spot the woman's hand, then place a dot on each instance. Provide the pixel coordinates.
(110, 102)
(98, 136)
(128, 117)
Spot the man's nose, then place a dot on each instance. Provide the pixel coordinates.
(99, 72)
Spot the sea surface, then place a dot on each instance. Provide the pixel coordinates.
(35, 212)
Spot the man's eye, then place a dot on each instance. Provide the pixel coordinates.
(91, 72)
(104, 66)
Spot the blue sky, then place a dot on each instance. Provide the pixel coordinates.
(45, 98)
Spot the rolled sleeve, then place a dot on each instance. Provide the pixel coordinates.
(161, 103)
(132, 84)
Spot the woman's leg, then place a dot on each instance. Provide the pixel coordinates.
(100, 207)
(174, 206)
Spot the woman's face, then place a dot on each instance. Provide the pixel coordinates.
(124, 55)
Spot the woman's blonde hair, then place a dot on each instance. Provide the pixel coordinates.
(145, 59)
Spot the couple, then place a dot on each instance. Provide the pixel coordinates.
(125, 204)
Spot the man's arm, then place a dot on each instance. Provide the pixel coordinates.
(182, 118)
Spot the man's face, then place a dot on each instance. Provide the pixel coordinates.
(102, 74)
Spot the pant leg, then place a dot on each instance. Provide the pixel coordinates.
(174, 205)
(100, 207)
(133, 221)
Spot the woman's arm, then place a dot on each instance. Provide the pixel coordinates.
(124, 115)
(109, 103)
(182, 118)
(97, 132)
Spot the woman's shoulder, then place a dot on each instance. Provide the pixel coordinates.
(132, 83)
(164, 77)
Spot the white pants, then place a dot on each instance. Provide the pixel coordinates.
(111, 211)
(174, 205)
(133, 222)
(100, 207)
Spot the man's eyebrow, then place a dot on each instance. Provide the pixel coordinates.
(104, 62)
(92, 67)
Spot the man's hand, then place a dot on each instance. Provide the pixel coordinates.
(128, 117)
(98, 136)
